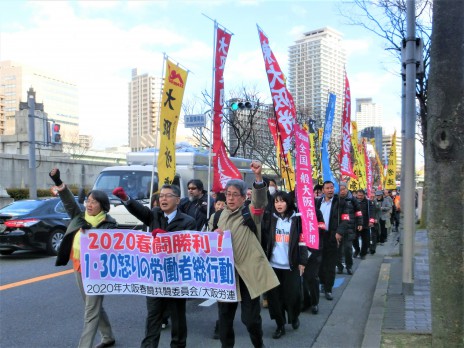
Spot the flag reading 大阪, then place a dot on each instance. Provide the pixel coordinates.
(304, 189)
(223, 168)
(329, 116)
(184, 264)
(345, 154)
(390, 181)
(282, 100)
(171, 102)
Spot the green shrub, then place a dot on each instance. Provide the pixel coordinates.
(23, 193)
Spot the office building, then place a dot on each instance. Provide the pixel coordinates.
(316, 67)
(2, 114)
(144, 108)
(368, 113)
(376, 134)
(58, 96)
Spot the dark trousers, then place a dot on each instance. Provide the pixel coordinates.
(251, 317)
(383, 231)
(156, 308)
(374, 237)
(311, 280)
(285, 298)
(345, 251)
(328, 264)
(365, 241)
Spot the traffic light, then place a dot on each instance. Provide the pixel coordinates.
(55, 134)
(236, 105)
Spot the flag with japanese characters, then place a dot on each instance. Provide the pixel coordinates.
(304, 189)
(390, 182)
(358, 161)
(173, 92)
(287, 171)
(345, 154)
(368, 166)
(281, 97)
(223, 168)
(379, 162)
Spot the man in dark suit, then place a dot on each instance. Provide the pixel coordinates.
(169, 218)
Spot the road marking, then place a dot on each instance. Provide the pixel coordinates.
(208, 303)
(36, 279)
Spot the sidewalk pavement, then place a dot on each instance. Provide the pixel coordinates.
(373, 303)
(391, 310)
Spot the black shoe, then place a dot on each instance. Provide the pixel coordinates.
(349, 271)
(296, 324)
(372, 251)
(328, 296)
(355, 255)
(279, 332)
(315, 309)
(340, 270)
(107, 344)
(216, 331)
(364, 257)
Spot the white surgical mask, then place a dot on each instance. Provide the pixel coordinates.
(272, 190)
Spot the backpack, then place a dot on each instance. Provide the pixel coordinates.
(247, 219)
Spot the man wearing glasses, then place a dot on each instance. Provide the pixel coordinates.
(253, 273)
(196, 203)
(166, 217)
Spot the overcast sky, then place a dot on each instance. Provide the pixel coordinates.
(95, 44)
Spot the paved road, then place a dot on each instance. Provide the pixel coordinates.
(48, 312)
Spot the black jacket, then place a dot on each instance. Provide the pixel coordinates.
(356, 216)
(368, 209)
(337, 220)
(77, 222)
(297, 253)
(154, 218)
(197, 209)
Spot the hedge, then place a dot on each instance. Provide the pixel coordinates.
(20, 193)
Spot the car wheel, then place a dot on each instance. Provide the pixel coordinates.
(6, 252)
(54, 242)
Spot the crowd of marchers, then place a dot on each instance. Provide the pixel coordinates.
(274, 268)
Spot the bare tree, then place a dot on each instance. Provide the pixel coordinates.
(444, 169)
(73, 145)
(387, 19)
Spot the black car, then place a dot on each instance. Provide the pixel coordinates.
(37, 224)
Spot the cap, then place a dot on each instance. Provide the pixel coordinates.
(379, 193)
(343, 184)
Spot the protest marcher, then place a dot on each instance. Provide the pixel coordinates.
(196, 204)
(254, 274)
(167, 217)
(96, 215)
(288, 255)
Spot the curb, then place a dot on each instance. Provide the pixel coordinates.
(373, 328)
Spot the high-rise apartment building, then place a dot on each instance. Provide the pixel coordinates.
(2, 114)
(316, 67)
(144, 108)
(368, 113)
(59, 97)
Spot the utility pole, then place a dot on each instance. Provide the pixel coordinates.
(32, 165)
(408, 186)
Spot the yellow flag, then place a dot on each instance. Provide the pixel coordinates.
(353, 184)
(390, 182)
(173, 92)
(288, 174)
(379, 162)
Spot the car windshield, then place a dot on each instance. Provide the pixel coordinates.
(21, 207)
(137, 184)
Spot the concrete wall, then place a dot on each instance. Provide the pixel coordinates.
(14, 171)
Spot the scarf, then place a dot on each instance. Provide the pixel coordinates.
(76, 247)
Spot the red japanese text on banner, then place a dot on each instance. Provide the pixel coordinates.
(223, 168)
(304, 189)
(283, 102)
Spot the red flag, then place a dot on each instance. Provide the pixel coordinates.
(223, 168)
(283, 102)
(367, 161)
(346, 166)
